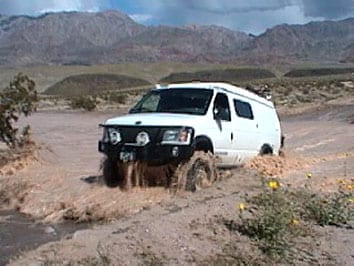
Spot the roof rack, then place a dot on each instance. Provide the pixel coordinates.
(263, 91)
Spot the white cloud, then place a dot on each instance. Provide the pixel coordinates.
(141, 18)
(35, 7)
(253, 16)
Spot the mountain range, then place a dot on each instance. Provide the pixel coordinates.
(76, 38)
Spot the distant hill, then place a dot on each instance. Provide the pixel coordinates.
(226, 75)
(312, 72)
(91, 84)
(315, 41)
(76, 38)
(63, 38)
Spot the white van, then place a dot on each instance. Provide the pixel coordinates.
(172, 123)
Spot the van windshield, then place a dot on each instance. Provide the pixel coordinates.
(183, 100)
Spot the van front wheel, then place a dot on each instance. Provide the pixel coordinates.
(197, 173)
(112, 175)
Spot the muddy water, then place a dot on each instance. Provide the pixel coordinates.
(19, 232)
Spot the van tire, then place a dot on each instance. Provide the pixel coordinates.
(197, 173)
(266, 150)
(203, 143)
(112, 177)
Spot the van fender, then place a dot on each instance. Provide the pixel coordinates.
(266, 149)
(203, 143)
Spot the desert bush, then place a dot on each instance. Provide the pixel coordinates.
(19, 98)
(118, 98)
(332, 209)
(274, 222)
(87, 103)
(277, 216)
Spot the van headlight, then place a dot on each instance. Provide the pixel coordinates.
(180, 136)
(114, 135)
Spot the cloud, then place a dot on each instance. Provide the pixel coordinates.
(228, 7)
(36, 7)
(141, 18)
(253, 16)
(328, 9)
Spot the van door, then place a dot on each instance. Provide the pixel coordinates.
(246, 133)
(223, 137)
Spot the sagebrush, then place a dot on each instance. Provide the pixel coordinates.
(19, 98)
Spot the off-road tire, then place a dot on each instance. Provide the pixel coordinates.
(266, 150)
(197, 173)
(112, 175)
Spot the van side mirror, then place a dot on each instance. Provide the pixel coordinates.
(217, 114)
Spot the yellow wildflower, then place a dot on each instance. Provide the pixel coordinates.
(241, 206)
(340, 181)
(294, 222)
(273, 184)
(309, 175)
(350, 187)
(351, 200)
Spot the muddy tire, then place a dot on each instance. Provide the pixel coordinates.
(197, 173)
(266, 150)
(112, 176)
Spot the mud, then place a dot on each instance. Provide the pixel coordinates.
(62, 186)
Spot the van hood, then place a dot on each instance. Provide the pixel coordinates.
(155, 119)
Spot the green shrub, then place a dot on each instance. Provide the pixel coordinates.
(274, 221)
(19, 98)
(277, 216)
(331, 209)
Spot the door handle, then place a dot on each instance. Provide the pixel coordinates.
(232, 136)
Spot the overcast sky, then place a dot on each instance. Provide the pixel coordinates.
(251, 16)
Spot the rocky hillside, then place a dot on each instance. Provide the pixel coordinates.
(113, 37)
(187, 44)
(63, 38)
(316, 41)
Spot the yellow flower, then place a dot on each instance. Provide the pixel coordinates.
(273, 184)
(294, 222)
(350, 187)
(351, 200)
(308, 175)
(241, 206)
(340, 181)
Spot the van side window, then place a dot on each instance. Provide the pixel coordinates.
(221, 107)
(243, 109)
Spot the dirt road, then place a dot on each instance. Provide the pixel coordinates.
(150, 225)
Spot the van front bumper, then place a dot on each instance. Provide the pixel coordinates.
(151, 153)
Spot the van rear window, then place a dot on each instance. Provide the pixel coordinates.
(243, 109)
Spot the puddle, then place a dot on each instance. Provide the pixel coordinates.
(19, 233)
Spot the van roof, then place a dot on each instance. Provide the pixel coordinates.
(220, 85)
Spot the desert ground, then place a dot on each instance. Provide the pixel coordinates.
(152, 226)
